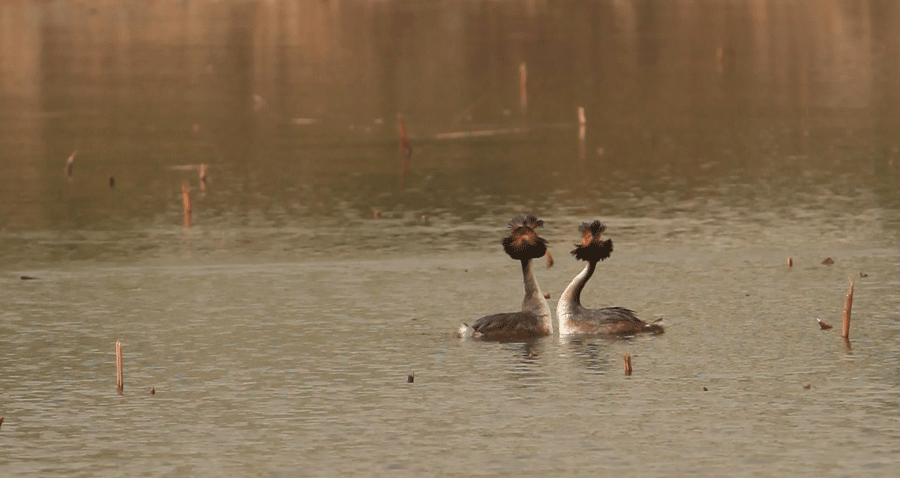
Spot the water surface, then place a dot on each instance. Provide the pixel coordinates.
(279, 329)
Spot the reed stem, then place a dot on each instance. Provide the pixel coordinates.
(848, 307)
(120, 379)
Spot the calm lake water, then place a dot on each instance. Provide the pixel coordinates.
(278, 330)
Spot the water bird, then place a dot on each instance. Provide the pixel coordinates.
(828, 261)
(575, 319)
(822, 324)
(534, 320)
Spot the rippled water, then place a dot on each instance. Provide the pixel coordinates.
(279, 330)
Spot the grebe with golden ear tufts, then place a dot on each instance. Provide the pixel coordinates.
(575, 319)
(534, 320)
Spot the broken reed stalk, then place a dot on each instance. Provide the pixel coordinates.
(69, 164)
(549, 259)
(186, 202)
(523, 86)
(848, 306)
(627, 364)
(120, 378)
(405, 147)
(202, 169)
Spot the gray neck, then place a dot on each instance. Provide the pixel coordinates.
(534, 300)
(570, 301)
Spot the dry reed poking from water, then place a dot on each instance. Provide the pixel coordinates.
(120, 377)
(790, 262)
(523, 86)
(627, 364)
(186, 202)
(69, 163)
(549, 259)
(202, 172)
(848, 307)
(405, 147)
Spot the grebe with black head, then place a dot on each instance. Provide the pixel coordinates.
(534, 320)
(573, 317)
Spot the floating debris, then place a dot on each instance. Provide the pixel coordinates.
(790, 262)
(112, 181)
(822, 324)
(152, 390)
(481, 133)
(27, 278)
(627, 358)
(863, 274)
(828, 261)
(546, 295)
(411, 378)
(705, 389)
(807, 385)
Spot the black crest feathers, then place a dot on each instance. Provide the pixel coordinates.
(592, 248)
(523, 242)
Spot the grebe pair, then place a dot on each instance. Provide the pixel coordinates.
(534, 320)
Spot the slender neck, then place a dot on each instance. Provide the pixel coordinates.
(534, 300)
(572, 294)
